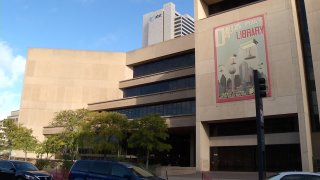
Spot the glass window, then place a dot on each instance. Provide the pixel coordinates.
(228, 5)
(141, 172)
(6, 166)
(272, 125)
(169, 109)
(170, 85)
(244, 158)
(300, 176)
(119, 171)
(24, 166)
(100, 167)
(165, 64)
(81, 166)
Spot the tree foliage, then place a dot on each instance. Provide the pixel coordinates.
(104, 131)
(149, 133)
(18, 137)
(24, 140)
(51, 145)
(71, 121)
(10, 128)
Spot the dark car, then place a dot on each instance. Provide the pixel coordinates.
(105, 170)
(19, 170)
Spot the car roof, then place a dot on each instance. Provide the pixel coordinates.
(299, 172)
(16, 161)
(128, 165)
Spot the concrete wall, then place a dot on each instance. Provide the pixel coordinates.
(68, 79)
(280, 43)
(283, 56)
(313, 16)
(141, 100)
(157, 77)
(154, 52)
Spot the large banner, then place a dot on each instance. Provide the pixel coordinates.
(240, 47)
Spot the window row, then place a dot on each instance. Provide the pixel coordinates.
(170, 85)
(166, 64)
(222, 6)
(170, 109)
(274, 125)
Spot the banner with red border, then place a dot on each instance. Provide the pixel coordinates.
(239, 48)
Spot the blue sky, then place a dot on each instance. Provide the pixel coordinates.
(103, 25)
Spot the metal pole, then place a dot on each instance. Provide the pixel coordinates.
(260, 127)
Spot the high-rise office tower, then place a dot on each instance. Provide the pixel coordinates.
(165, 24)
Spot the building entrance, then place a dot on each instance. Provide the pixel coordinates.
(183, 149)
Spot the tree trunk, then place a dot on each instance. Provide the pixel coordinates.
(76, 153)
(147, 162)
(25, 156)
(119, 151)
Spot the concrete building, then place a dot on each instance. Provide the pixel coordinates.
(202, 84)
(14, 115)
(287, 53)
(165, 24)
(62, 79)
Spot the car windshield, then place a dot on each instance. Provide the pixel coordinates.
(141, 172)
(25, 166)
(273, 176)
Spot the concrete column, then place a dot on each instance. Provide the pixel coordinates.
(313, 12)
(169, 10)
(303, 109)
(202, 147)
(200, 10)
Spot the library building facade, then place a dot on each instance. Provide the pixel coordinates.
(202, 84)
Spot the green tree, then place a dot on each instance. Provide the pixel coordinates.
(71, 121)
(10, 128)
(104, 132)
(3, 142)
(18, 137)
(24, 140)
(51, 145)
(149, 133)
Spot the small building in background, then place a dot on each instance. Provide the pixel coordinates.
(165, 24)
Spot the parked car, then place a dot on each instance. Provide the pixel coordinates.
(104, 170)
(20, 170)
(296, 176)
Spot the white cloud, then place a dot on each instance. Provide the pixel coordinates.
(11, 72)
(11, 66)
(8, 102)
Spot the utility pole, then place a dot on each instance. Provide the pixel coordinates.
(260, 92)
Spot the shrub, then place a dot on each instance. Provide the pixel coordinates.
(43, 163)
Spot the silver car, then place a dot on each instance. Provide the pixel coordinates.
(295, 176)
